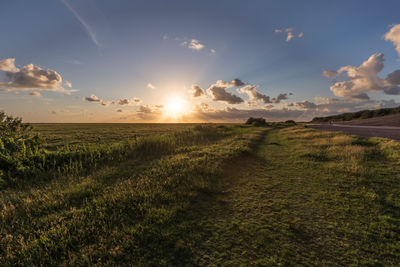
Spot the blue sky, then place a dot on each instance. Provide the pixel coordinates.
(115, 49)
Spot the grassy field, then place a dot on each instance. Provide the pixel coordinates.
(58, 135)
(225, 195)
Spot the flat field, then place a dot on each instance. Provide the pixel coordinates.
(201, 195)
(60, 134)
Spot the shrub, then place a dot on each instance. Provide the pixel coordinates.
(256, 121)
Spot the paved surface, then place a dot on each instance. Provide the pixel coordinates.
(390, 132)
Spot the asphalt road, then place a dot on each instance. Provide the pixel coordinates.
(390, 132)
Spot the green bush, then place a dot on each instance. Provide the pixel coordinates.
(256, 121)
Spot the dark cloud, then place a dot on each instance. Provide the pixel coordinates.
(197, 91)
(123, 102)
(254, 95)
(219, 93)
(237, 82)
(305, 105)
(279, 98)
(148, 113)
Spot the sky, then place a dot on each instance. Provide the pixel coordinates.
(196, 61)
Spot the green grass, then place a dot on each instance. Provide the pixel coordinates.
(58, 135)
(230, 196)
(133, 211)
(305, 198)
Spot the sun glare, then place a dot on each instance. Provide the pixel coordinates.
(176, 106)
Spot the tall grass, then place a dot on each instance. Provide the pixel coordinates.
(125, 214)
(24, 162)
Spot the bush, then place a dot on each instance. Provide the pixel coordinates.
(18, 146)
(256, 121)
(290, 122)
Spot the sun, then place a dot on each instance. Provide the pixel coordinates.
(176, 106)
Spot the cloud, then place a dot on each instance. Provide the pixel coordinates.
(197, 91)
(148, 113)
(279, 98)
(218, 93)
(330, 73)
(119, 110)
(8, 65)
(159, 106)
(165, 37)
(195, 45)
(254, 95)
(289, 33)
(90, 31)
(363, 79)
(394, 36)
(149, 85)
(123, 102)
(67, 84)
(213, 51)
(305, 105)
(34, 93)
(105, 103)
(137, 100)
(237, 82)
(30, 77)
(92, 98)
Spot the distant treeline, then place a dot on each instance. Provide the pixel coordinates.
(363, 114)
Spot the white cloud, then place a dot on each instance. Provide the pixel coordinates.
(151, 86)
(290, 33)
(67, 84)
(90, 31)
(363, 79)
(195, 45)
(213, 51)
(394, 36)
(8, 65)
(92, 98)
(30, 77)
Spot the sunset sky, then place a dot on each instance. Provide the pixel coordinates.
(196, 61)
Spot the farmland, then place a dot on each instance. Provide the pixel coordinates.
(203, 195)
